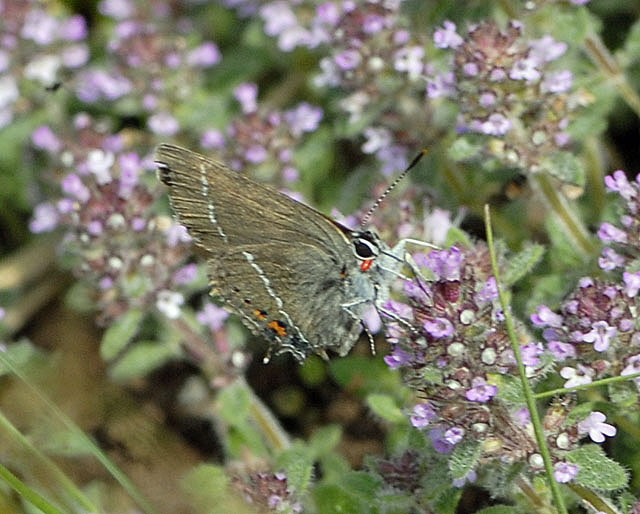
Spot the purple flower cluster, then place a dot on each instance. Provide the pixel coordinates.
(594, 334)
(147, 63)
(39, 44)
(269, 492)
(372, 58)
(260, 135)
(452, 346)
(105, 210)
(518, 96)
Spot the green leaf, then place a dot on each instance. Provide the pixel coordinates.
(19, 354)
(361, 485)
(331, 498)
(207, 487)
(298, 464)
(566, 167)
(118, 335)
(596, 470)
(521, 263)
(464, 458)
(385, 406)
(140, 359)
(463, 149)
(325, 439)
(234, 403)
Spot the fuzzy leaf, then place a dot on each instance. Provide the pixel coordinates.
(140, 359)
(332, 498)
(464, 458)
(386, 407)
(298, 464)
(118, 335)
(566, 167)
(596, 470)
(521, 263)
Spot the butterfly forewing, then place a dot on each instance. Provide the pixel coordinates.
(285, 268)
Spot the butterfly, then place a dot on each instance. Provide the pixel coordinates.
(293, 275)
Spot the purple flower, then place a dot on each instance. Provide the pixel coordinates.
(45, 218)
(564, 472)
(496, 125)
(278, 17)
(44, 138)
(545, 317)
(468, 478)
(212, 316)
(328, 13)
(163, 124)
(631, 283)
(447, 37)
(423, 414)
(454, 435)
(95, 228)
(73, 28)
(600, 335)
(348, 59)
(72, 185)
(129, 168)
(303, 118)
(525, 69)
(118, 9)
(522, 416)
(442, 85)
(618, 182)
(409, 60)
(39, 27)
(559, 82)
(439, 327)
(212, 138)
(610, 260)
(481, 391)
(440, 444)
(576, 377)
(256, 154)
(177, 234)
(446, 264)
(632, 367)
(205, 55)
(547, 49)
(531, 353)
(393, 159)
(373, 23)
(561, 351)
(247, 94)
(609, 232)
(489, 292)
(185, 274)
(397, 358)
(595, 426)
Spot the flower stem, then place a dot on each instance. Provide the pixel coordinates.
(566, 216)
(526, 387)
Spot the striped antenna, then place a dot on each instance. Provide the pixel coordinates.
(391, 187)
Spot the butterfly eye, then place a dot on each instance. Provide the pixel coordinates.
(364, 249)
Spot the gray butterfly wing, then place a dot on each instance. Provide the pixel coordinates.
(285, 268)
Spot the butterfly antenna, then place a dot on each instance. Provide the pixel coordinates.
(391, 187)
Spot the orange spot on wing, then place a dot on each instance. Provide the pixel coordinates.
(278, 327)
